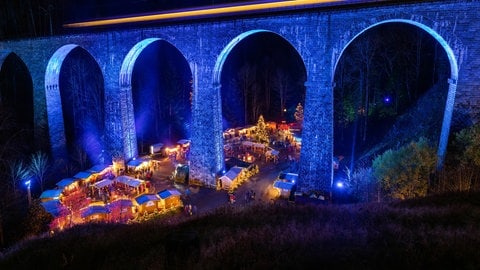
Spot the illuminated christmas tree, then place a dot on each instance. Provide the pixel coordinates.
(299, 115)
(261, 131)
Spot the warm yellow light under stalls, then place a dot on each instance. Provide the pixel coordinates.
(200, 12)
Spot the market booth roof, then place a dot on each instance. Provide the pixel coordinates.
(98, 168)
(235, 162)
(94, 210)
(164, 194)
(288, 177)
(53, 194)
(183, 142)
(120, 203)
(138, 162)
(135, 162)
(233, 172)
(144, 198)
(83, 175)
(54, 207)
(129, 181)
(103, 183)
(253, 144)
(66, 182)
(283, 185)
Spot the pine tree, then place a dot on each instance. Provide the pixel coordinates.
(261, 131)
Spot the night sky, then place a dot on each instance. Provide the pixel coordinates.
(79, 10)
(33, 18)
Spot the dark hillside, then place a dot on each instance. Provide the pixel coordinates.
(439, 232)
(424, 119)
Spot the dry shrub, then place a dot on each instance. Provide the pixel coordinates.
(415, 234)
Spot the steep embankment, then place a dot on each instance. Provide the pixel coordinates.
(437, 232)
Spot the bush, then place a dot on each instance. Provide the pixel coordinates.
(405, 173)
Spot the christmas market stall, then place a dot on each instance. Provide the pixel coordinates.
(272, 155)
(231, 179)
(102, 183)
(288, 177)
(102, 189)
(121, 210)
(84, 177)
(68, 185)
(95, 212)
(62, 216)
(253, 147)
(101, 171)
(170, 198)
(138, 164)
(283, 188)
(147, 203)
(130, 184)
(54, 207)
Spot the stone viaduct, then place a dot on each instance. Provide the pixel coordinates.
(318, 34)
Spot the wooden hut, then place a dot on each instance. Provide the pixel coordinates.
(68, 185)
(95, 212)
(131, 184)
(170, 198)
(147, 203)
(121, 210)
(284, 188)
(231, 179)
(84, 177)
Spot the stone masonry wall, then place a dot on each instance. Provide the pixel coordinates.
(319, 35)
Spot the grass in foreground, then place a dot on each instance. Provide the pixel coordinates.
(437, 232)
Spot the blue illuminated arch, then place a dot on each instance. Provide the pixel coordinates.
(125, 81)
(56, 126)
(3, 56)
(128, 119)
(433, 33)
(55, 111)
(217, 71)
(131, 58)
(22, 92)
(447, 116)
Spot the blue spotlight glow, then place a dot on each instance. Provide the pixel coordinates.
(387, 99)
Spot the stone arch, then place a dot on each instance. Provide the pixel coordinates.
(125, 81)
(16, 100)
(449, 106)
(254, 42)
(55, 110)
(9, 57)
(217, 165)
(56, 125)
(217, 71)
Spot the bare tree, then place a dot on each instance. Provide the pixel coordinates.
(245, 80)
(79, 157)
(38, 167)
(256, 102)
(268, 71)
(281, 86)
(365, 50)
(17, 170)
